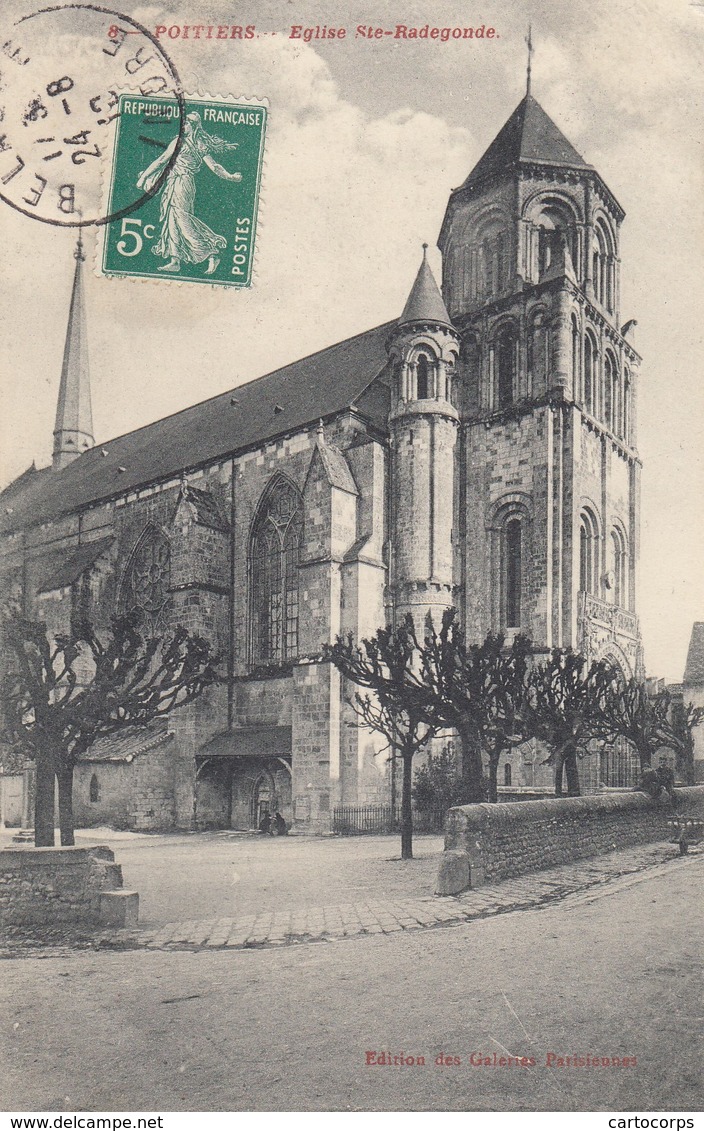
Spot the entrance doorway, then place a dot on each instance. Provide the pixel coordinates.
(263, 800)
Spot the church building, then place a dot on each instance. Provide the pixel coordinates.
(478, 451)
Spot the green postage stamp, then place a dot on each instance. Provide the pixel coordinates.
(198, 162)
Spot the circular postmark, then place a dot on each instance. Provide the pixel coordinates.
(62, 71)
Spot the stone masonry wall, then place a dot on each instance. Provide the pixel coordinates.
(55, 885)
(507, 840)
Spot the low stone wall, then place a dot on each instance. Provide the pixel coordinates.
(485, 842)
(55, 885)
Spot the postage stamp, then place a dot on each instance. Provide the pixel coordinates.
(63, 69)
(201, 176)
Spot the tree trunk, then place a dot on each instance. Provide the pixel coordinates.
(406, 809)
(493, 776)
(471, 765)
(44, 803)
(559, 765)
(572, 773)
(65, 780)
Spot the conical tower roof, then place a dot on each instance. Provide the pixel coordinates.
(528, 135)
(425, 303)
(73, 432)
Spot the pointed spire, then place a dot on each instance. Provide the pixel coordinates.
(73, 432)
(425, 303)
(529, 44)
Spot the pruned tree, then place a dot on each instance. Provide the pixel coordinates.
(564, 710)
(61, 694)
(630, 712)
(386, 665)
(679, 731)
(479, 690)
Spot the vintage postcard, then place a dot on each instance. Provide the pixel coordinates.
(324, 325)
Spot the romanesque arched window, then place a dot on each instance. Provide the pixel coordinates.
(538, 353)
(608, 394)
(576, 390)
(590, 374)
(626, 407)
(619, 566)
(94, 789)
(147, 579)
(507, 773)
(603, 265)
(505, 353)
(275, 550)
(588, 552)
(511, 572)
(423, 390)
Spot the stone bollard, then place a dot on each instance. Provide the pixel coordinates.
(119, 908)
(454, 873)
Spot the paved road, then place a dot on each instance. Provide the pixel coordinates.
(613, 972)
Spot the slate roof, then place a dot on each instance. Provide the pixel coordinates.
(528, 135)
(337, 469)
(694, 670)
(318, 386)
(61, 568)
(245, 742)
(205, 506)
(125, 745)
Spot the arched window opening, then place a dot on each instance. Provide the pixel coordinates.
(626, 408)
(575, 358)
(555, 231)
(147, 579)
(423, 390)
(588, 553)
(538, 352)
(490, 275)
(608, 392)
(603, 266)
(506, 368)
(590, 375)
(507, 773)
(512, 572)
(274, 569)
(619, 565)
(94, 790)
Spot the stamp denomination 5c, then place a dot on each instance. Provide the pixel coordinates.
(201, 180)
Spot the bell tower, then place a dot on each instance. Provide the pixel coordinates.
(424, 425)
(546, 388)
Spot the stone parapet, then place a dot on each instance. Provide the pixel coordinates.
(506, 840)
(47, 886)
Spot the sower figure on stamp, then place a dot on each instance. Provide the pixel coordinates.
(183, 235)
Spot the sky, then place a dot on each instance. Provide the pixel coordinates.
(366, 139)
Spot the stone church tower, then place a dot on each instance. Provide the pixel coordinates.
(548, 474)
(477, 451)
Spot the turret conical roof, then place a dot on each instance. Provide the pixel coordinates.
(425, 303)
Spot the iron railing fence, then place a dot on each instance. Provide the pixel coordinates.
(361, 820)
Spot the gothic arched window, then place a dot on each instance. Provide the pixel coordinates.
(505, 368)
(588, 553)
(275, 550)
(147, 579)
(94, 789)
(507, 773)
